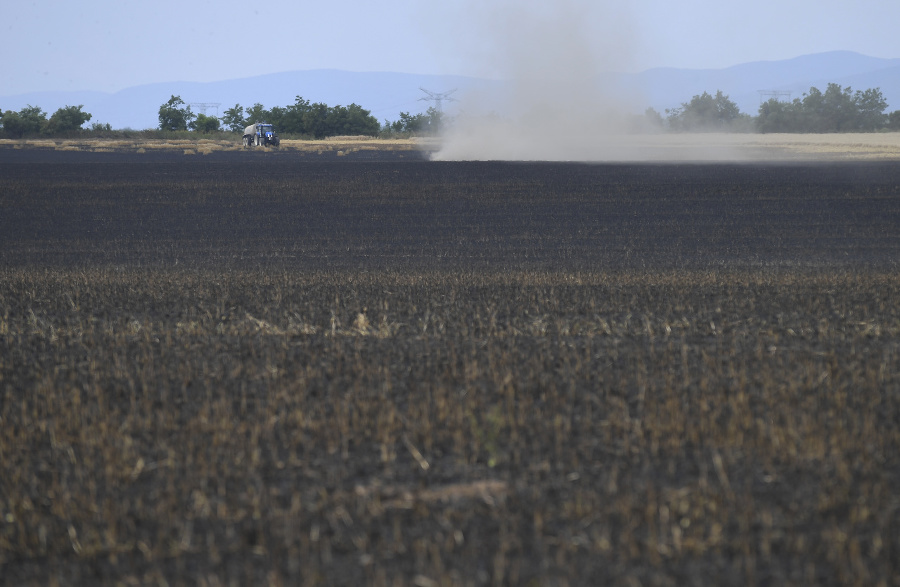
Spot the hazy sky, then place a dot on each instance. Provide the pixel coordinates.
(108, 45)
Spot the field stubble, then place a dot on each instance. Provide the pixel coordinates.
(640, 147)
(385, 402)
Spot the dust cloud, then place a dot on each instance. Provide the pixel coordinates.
(551, 102)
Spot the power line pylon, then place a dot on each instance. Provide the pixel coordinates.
(438, 98)
(777, 94)
(202, 106)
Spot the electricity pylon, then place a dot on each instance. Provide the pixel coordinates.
(777, 94)
(438, 98)
(202, 106)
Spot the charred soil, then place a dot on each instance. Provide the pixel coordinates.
(289, 368)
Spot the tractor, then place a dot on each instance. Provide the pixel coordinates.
(260, 134)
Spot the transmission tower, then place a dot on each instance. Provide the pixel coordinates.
(777, 94)
(438, 98)
(202, 106)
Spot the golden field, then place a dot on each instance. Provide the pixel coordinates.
(662, 147)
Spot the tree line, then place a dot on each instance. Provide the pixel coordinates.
(32, 121)
(305, 118)
(836, 109)
(318, 120)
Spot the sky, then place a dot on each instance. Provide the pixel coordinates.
(109, 45)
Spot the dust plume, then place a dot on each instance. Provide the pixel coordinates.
(551, 104)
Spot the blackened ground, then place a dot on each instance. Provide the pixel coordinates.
(266, 368)
(397, 210)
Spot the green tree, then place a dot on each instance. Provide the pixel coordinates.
(175, 115)
(292, 119)
(836, 109)
(423, 123)
(233, 119)
(705, 113)
(67, 119)
(257, 113)
(413, 124)
(315, 120)
(871, 107)
(351, 120)
(893, 122)
(777, 116)
(205, 124)
(392, 127)
(26, 122)
(811, 111)
(435, 120)
(275, 116)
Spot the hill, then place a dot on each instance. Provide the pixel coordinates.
(386, 94)
(667, 87)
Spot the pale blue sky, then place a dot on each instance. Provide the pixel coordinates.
(108, 45)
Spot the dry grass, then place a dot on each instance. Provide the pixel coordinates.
(849, 146)
(205, 146)
(702, 146)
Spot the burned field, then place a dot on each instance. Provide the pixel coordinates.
(274, 368)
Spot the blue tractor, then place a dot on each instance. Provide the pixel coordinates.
(260, 134)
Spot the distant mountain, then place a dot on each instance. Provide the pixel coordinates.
(668, 88)
(387, 94)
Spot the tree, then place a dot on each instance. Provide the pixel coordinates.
(257, 113)
(836, 109)
(27, 121)
(871, 107)
(275, 116)
(205, 124)
(292, 119)
(67, 119)
(315, 120)
(705, 113)
(412, 123)
(175, 115)
(351, 120)
(653, 118)
(233, 119)
(435, 120)
(415, 124)
(777, 116)
(894, 120)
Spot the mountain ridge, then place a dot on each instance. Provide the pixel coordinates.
(386, 94)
